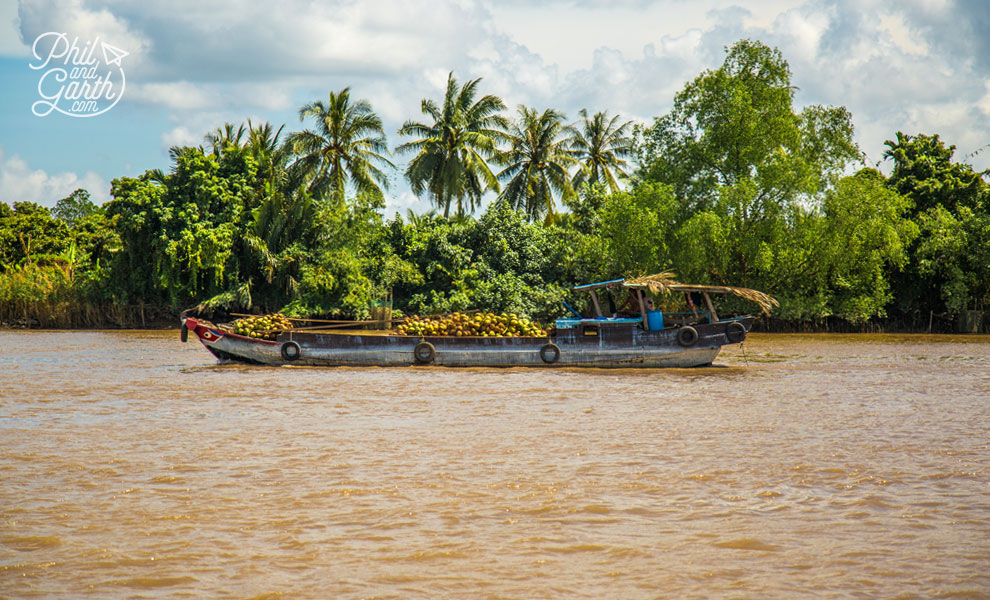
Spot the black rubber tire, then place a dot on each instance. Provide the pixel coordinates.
(735, 332)
(550, 353)
(424, 352)
(184, 333)
(687, 336)
(291, 350)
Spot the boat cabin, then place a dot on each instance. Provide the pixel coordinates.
(639, 308)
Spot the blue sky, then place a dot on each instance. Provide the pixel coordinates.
(918, 66)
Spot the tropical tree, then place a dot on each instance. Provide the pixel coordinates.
(600, 144)
(734, 130)
(74, 207)
(925, 172)
(28, 231)
(275, 243)
(421, 219)
(224, 135)
(348, 143)
(270, 153)
(452, 152)
(180, 233)
(740, 161)
(951, 204)
(833, 259)
(537, 162)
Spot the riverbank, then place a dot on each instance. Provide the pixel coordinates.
(932, 323)
(87, 317)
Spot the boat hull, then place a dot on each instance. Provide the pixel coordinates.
(600, 346)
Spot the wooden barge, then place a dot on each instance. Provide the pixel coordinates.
(639, 337)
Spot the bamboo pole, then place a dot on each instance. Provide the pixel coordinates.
(594, 300)
(642, 310)
(351, 321)
(307, 320)
(712, 317)
(318, 328)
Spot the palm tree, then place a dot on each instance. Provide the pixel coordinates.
(270, 153)
(600, 146)
(537, 162)
(275, 238)
(221, 136)
(452, 152)
(348, 144)
(420, 220)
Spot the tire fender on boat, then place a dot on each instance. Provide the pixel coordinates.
(735, 332)
(687, 336)
(291, 350)
(550, 353)
(184, 333)
(424, 352)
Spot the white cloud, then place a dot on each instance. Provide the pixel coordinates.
(805, 29)
(890, 68)
(76, 20)
(239, 40)
(181, 136)
(190, 97)
(403, 202)
(20, 183)
(984, 103)
(896, 27)
(176, 95)
(10, 38)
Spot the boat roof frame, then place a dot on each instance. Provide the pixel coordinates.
(663, 283)
(678, 287)
(601, 284)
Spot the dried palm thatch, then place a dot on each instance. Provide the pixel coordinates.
(658, 283)
(663, 283)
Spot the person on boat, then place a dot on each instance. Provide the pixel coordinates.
(630, 308)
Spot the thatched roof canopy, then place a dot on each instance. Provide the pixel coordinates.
(663, 283)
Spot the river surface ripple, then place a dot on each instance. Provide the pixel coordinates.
(801, 466)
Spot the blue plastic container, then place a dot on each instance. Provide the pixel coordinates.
(654, 320)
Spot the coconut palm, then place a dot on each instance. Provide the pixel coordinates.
(452, 152)
(348, 143)
(600, 145)
(537, 162)
(275, 238)
(222, 136)
(270, 153)
(419, 220)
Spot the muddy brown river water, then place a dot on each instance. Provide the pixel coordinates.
(800, 466)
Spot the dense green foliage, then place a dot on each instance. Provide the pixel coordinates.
(950, 261)
(733, 186)
(758, 196)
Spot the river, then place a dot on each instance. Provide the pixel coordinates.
(800, 466)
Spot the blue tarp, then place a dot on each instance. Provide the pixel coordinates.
(572, 323)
